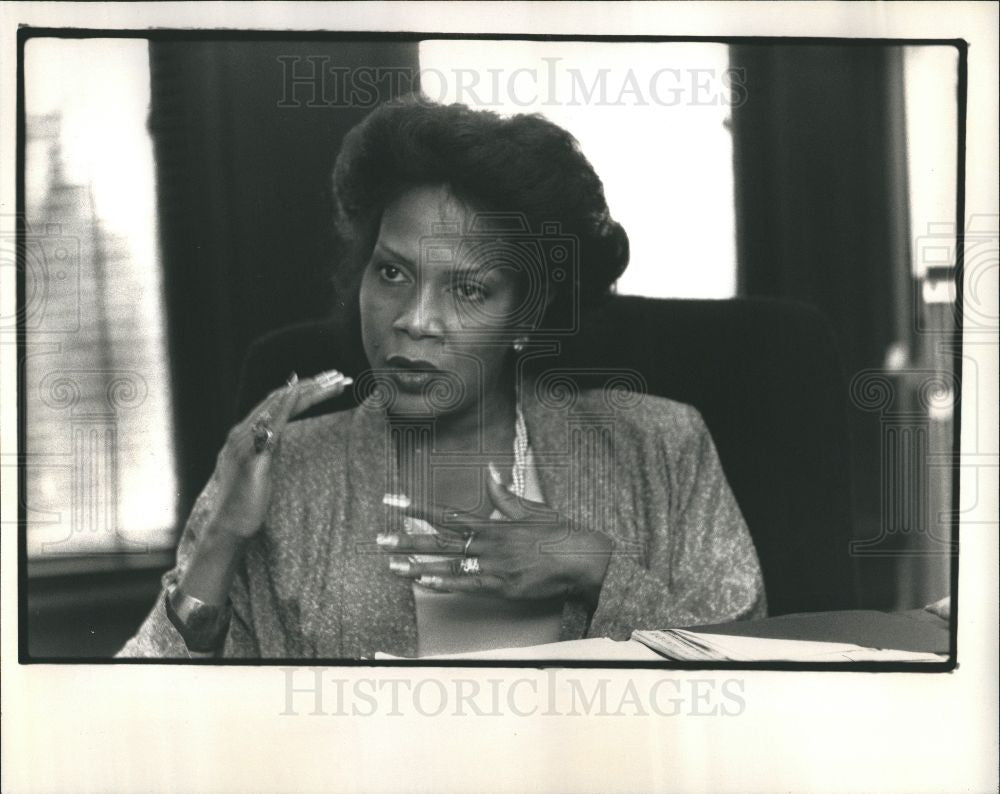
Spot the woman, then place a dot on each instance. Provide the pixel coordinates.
(465, 504)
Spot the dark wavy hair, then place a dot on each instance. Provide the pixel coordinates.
(523, 164)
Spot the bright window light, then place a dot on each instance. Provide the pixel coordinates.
(652, 119)
(930, 86)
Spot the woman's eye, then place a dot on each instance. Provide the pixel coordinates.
(471, 291)
(392, 274)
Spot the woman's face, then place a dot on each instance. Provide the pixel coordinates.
(437, 314)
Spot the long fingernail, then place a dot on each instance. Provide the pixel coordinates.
(329, 379)
(495, 474)
(414, 526)
(292, 379)
(387, 540)
(429, 581)
(397, 565)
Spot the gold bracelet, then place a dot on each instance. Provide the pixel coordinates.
(202, 626)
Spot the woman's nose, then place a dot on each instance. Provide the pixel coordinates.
(421, 315)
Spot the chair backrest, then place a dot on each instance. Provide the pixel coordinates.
(765, 376)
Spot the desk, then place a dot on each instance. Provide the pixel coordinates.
(914, 631)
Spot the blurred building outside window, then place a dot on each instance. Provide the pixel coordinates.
(100, 470)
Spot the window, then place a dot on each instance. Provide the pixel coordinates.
(924, 356)
(99, 466)
(652, 119)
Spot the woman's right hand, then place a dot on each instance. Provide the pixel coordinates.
(243, 479)
(244, 473)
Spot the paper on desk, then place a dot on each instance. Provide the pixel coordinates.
(684, 645)
(597, 650)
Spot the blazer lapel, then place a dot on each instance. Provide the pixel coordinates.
(563, 444)
(378, 608)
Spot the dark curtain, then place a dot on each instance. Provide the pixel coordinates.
(819, 153)
(244, 157)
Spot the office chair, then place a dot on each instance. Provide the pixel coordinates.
(766, 377)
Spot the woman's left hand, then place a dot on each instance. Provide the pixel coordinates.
(531, 553)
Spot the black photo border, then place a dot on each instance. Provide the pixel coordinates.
(26, 33)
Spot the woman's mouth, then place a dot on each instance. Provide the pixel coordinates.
(412, 375)
(411, 380)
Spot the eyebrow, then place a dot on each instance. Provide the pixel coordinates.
(476, 270)
(392, 251)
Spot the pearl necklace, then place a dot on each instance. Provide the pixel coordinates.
(519, 474)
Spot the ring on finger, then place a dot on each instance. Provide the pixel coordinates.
(263, 433)
(470, 566)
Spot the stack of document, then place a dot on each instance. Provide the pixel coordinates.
(845, 636)
(693, 646)
(599, 649)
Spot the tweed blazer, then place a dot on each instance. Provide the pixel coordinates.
(642, 469)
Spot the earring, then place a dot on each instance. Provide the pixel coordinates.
(519, 343)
